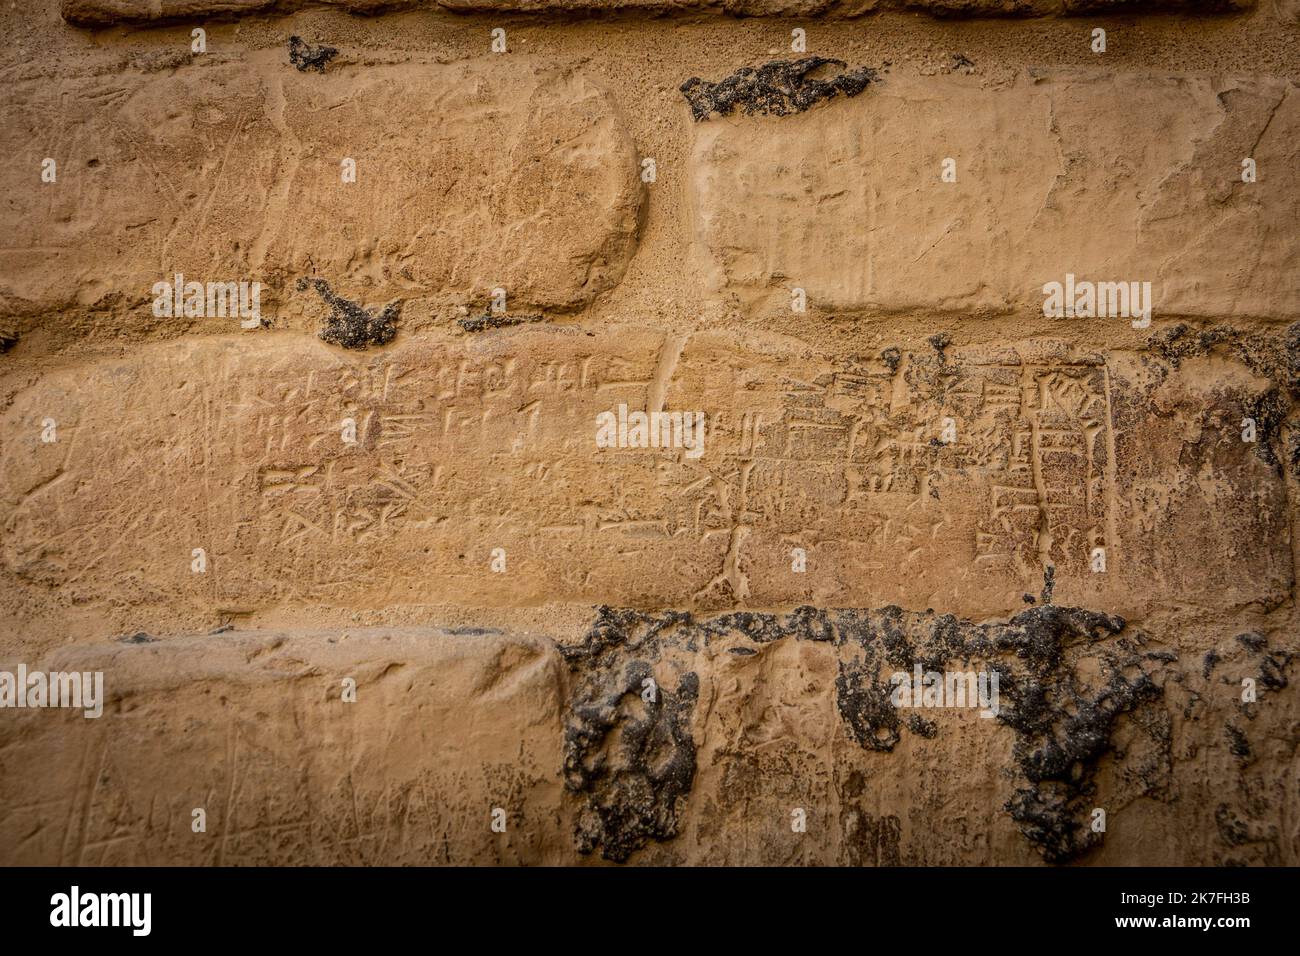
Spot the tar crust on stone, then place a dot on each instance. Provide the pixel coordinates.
(628, 748)
(632, 761)
(351, 326)
(490, 320)
(777, 88)
(307, 57)
(1271, 356)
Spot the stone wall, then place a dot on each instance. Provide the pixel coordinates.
(623, 398)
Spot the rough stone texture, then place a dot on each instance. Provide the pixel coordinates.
(394, 477)
(468, 178)
(839, 201)
(253, 728)
(103, 12)
(448, 726)
(464, 448)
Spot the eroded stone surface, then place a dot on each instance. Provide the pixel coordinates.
(253, 728)
(959, 479)
(659, 738)
(1063, 724)
(795, 712)
(947, 498)
(847, 202)
(102, 12)
(469, 178)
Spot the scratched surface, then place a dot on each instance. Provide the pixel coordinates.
(258, 736)
(849, 210)
(448, 725)
(949, 480)
(969, 483)
(243, 180)
(118, 11)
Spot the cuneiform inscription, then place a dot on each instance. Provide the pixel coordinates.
(318, 469)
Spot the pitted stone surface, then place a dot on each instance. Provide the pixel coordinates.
(467, 179)
(104, 12)
(392, 480)
(846, 201)
(955, 480)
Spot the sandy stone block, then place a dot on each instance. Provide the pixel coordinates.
(252, 728)
(1109, 177)
(961, 480)
(105, 12)
(468, 178)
